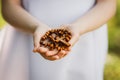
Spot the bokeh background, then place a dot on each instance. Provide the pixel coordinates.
(112, 66)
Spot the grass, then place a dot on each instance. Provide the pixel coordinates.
(112, 67)
(2, 22)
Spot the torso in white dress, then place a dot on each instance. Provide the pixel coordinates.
(84, 62)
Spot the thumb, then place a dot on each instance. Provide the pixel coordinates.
(36, 40)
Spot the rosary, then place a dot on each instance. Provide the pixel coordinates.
(56, 39)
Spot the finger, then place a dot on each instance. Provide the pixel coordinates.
(66, 53)
(51, 53)
(62, 54)
(51, 58)
(48, 57)
(42, 50)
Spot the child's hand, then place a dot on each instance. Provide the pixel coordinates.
(39, 32)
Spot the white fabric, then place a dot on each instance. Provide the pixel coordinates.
(84, 62)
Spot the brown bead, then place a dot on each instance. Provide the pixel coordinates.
(59, 48)
(67, 38)
(51, 45)
(45, 45)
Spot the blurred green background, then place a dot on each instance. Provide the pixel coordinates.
(112, 67)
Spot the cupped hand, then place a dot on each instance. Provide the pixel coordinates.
(39, 32)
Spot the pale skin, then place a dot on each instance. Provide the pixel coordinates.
(16, 15)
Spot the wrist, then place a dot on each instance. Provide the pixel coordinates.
(75, 28)
(78, 28)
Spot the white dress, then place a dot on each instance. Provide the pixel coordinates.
(84, 62)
